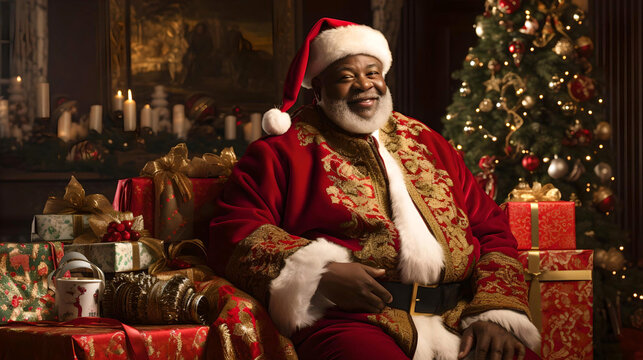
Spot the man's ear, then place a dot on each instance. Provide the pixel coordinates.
(316, 83)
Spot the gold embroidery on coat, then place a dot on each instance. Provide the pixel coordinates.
(397, 324)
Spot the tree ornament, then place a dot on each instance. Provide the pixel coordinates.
(531, 27)
(577, 170)
(581, 88)
(564, 47)
(530, 162)
(85, 151)
(610, 260)
(517, 46)
(604, 171)
(568, 108)
(508, 6)
(582, 137)
(480, 29)
(604, 199)
(508, 25)
(486, 105)
(493, 65)
(603, 131)
(584, 46)
(486, 178)
(528, 101)
(546, 34)
(557, 168)
(555, 83)
(465, 90)
(578, 15)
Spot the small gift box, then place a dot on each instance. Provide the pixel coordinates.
(120, 256)
(24, 288)
(538, 220)
(560, 300)
(58, 227)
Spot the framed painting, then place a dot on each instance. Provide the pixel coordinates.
(235, 52)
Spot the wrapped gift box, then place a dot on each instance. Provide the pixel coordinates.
(543, 225)
(117, 256)
(58, 227)
(560, 300)
(24, 288)
(138, 196)
(79, 342)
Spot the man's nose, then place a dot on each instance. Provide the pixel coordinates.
(363, 83)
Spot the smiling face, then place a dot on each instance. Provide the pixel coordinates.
(353, 93)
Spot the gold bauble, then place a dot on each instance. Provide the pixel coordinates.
(603, 131)
(528, 102)
(564, 47)
(486, 105)
(604, 171)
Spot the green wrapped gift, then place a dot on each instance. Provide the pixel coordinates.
(58, 227)
(117, 256)
(24, 288)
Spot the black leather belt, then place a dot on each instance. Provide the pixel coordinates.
(426, 300)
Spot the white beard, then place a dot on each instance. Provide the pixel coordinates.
(339, 112)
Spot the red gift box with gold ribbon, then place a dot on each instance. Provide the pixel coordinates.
(560, 300)
(543, 225)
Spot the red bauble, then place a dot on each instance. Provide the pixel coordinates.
(128, 224)
(581, 88)
(517, 47)
(135, 235)
(606, 204)
(508, 6)
(530, 162)
(584, 46)
(487, 162)
(583, 137)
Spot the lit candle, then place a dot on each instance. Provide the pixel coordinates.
(230, 127)
(96, 118)
(16, 82)
(64, 126)
(117, 104)
(146, 117)
(255, 129)
(178, 121)
(42, 100)
(129, 113)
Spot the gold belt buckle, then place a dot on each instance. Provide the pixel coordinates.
(415, 299)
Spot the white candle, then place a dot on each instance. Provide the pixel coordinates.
(129, 113)
(178, 121)
(117, 104)
(96, 118)
(146, 117)
(5, 130)
(42, 110)
(255, 130)
(64, 126)
(230, 127)
(155, 120)
(16, 82)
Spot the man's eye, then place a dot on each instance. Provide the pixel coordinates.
(373, 73)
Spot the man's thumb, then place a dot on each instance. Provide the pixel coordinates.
(374, 272)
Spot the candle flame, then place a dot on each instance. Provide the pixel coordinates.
(147, 106)
(18, 78)
(129, 94)
(119, 93)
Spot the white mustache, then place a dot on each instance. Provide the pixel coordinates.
(371, 94)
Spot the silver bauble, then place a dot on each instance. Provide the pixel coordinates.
(564, 47)
(528, 102)
(486, 105)
(557, 168)
(603, 131)
(604, 171)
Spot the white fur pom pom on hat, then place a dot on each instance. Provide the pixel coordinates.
(275, 122)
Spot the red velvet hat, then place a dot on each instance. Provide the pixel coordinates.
(328, 41)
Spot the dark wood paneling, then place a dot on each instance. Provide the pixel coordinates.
(618, 28)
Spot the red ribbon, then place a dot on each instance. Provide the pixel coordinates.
(133, 337)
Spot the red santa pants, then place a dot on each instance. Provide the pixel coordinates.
(333, 338)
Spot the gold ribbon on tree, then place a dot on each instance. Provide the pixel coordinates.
(211, 165)
(512, 79)
(174, 210)
(553, 13)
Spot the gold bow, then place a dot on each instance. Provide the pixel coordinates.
(523, 192)
(75, 202)
(176, 251)
(171, 168)
(211, 165)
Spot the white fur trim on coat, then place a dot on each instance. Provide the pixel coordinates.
(334, 44)
(292, 304)
(434, 340)
(512, 321)
(421, 257)
(275, 122)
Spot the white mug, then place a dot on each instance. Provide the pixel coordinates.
(77, 296)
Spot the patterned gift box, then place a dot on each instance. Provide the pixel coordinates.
(138, 196)
(117, 256)
(560, 301)
(543, 225)
(58, 227)
(24, 288)
(103, 342)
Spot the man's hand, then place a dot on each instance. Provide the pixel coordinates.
(352, 287)
(492, 342)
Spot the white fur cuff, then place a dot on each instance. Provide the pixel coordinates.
(291, 294)
(514, 322)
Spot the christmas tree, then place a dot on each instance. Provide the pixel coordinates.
(529, 109)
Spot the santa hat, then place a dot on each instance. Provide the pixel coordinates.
(328, 41)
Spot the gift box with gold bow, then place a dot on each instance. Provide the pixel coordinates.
(560, 300)
(120, 256)
(175, 195)
(539, 220)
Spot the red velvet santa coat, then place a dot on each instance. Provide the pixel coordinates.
(400, 199)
